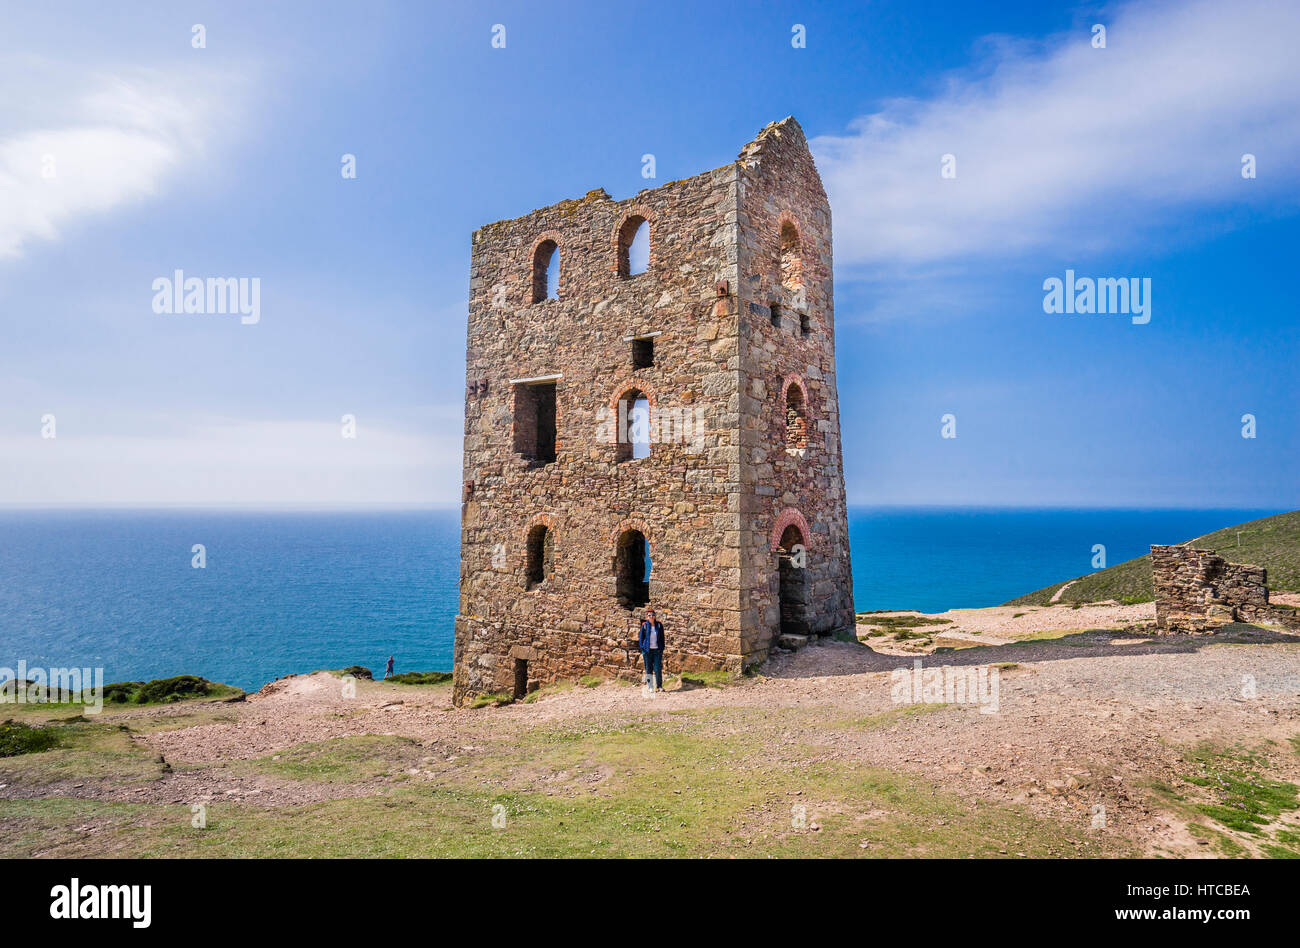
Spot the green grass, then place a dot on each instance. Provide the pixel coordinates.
(88, 752)
(1244, 800)
(708, 679)
(166, 690)
(419, 678)
(893, 716)
(342, 760)
(19, 738)
(498, 699)
(1224, 844)
(892, 623)
(1246, 806)
(1273, 543)
(904, 628)
(668, 788)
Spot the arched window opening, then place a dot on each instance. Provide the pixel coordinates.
(792, 570)
(632, 569)
(541, 556)
(634, 246)
(775, 308)
(546, 271)
(796, 423)
(791, 257)
(633, 427)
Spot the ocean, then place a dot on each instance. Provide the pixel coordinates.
(285, 592)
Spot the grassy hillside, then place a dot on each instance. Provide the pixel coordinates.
(1273, 543)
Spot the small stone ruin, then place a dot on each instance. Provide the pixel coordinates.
(1200, 591)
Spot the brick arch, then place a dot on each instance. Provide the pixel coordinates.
(631, 523)
(793, 378)
(616, 238)
(799, 438)
(554, 237)
(784, 519)
(624, 385)
(547, 520)
(521, 560)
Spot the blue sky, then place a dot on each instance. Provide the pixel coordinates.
(225, 161)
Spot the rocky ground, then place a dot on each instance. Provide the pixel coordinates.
(1096, 733)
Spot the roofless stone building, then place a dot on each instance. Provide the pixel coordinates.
(662, 431)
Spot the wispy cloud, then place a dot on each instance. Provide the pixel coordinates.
(1059, 145)
(76, 142)
(228, 461)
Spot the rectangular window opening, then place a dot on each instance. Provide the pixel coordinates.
(535, 422)
(643, 353)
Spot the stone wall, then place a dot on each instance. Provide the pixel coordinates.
(718, 478)
(1199, 591)
(781, 197)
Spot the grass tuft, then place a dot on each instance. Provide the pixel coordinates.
(18, 738)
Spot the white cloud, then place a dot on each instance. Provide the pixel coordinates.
(1066, 147)
(76, 142)
(237, 462)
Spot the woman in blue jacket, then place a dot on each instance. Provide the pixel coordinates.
(652, 651)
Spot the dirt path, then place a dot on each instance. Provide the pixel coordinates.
(1056, 596)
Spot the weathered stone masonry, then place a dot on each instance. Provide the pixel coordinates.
(1199, 591)
(728, 337)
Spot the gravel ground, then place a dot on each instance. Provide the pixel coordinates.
(1084, 721)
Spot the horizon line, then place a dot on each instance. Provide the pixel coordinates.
(271, 506)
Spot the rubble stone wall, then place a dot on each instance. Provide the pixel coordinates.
(1199, 591)
(718, 475)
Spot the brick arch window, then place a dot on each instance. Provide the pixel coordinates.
(546, 269)
(631, 416)
(792, 579)
(794, 405)
(632, 565)
(785, 519)
(632, 243)
(791, 255)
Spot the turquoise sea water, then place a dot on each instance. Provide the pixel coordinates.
(294, 592)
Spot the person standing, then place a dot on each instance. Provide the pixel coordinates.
(388, 669)
(652, 652)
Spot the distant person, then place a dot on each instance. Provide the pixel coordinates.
(652, 652)
(388, 669)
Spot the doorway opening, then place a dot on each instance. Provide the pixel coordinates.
(521, 678)
(632, 569)
(792, 563)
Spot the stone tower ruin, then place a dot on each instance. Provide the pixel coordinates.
(669, 436)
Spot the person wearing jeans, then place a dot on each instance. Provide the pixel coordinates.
(652, 651)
